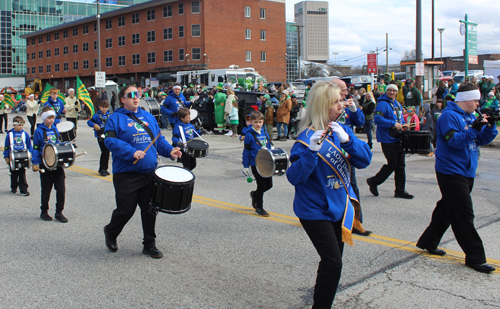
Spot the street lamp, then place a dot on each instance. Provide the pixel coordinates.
(205, 55)
(441, 45)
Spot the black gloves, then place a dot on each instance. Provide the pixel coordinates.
(478, 124)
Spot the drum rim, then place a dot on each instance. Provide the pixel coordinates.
(274, 161)
(56, 156)
(12, 158)
(189, 182)
(62, 124)
(197, 141)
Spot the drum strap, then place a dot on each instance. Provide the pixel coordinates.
(180, 101)
(58, 115)
(257, 140)
(144, 125)
(45, 139)
(11, 138)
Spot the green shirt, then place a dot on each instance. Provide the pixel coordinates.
(413, 97)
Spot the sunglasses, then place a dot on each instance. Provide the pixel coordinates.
(132, 95)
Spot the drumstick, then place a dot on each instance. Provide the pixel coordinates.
(145, 150)
(83, 153)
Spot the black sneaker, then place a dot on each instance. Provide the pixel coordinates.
(373, 186)
(13, 191)
(107, 173)
(25, 193)
(61, 218)
(102, 173)
(45, 217)
(254, 204)
(110, 243)
(358, 232)
(404, 194)
(261, 212)
(153, 252)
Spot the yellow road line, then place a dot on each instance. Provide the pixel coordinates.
(451, 257)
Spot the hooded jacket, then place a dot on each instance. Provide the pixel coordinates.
(20, 140)
(252, 147)
(187, 128)
(100, 119)
(39, 141)
(171, 105)
(58, 107)
(386, 118)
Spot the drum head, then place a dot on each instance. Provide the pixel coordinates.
(145, 105)
(197, 144)
(194, 114)
(264, 162)
(49, 155)
(65, 126)
(174, 174)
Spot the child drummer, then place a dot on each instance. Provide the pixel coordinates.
(46, 132)
(255, 140)
(98, 122)
(183, 132)
(17, 140)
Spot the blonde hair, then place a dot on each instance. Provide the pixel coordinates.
(322, 96)
(235, 104)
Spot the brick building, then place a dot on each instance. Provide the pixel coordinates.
(159, 38)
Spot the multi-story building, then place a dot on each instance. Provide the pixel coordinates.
(160, 38)
(312, 23)
(292, 52)
(20, 17)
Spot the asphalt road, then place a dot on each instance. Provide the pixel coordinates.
(220, 255)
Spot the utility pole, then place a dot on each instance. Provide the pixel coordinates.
(441, 30)
(387, 52)
(432, 35)
(377, 61)
(418, 43)
(298, 49)
(98, 43)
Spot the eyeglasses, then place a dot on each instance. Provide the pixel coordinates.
(132, 95)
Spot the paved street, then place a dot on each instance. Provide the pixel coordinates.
(220, 255)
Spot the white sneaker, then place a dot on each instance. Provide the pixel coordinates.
(229, 133)
(210, 132)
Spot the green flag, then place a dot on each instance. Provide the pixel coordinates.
(46, 94)
(6, 98)
(83, 94)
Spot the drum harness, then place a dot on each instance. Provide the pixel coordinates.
(248, 147)
(103, 120)
(57, 113)
(144, 125)
(11, 137)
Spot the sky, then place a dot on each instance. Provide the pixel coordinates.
(358, 27)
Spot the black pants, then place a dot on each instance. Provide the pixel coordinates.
(326, 237)
(395, 163)
(55, 178)
(4, 117)
(18, 179)
(263, 185)
(354, 185)
(188, 161)
(211, 120)
(73, 120)
(455, 208)
(32, 121)
(103, 162)
(132, 189)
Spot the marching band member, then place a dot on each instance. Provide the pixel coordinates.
(129, 131)
(325, 202)
(55, 103)
(98, 122)
(183, 132)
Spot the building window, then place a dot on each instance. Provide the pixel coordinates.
(195, 7)
(85, 29)
(248, 56)
(65, 34)
(56, 67)
(135, 38)
(195, 30)
(33, 41)
(150, 15)
(262, 13)
(168, 55)
(262, 35)
(33, 70)
(121, 61)
(167, 11)
(95, 27)
(181, 31)
(56, 36)
(248, 34)
(136, 59)
(28, 58)
(48, 39)
(75, 48)
(262, 56)
(33, 56)
(181, 54)
(40, 54)
(75, 31)
(109, 43)
(95, 64)
(56, 51)
(65, 50)
(95, 45)
(48, 53)
(86, 47)
(121, 21)
(75, 65)
(109, 62)
(167, 33)
(152, 57)
(247, 11)
(135, 18)
(196, 53)
(49, 68)
(121, 40)
(181, 8)
(85, 64)
(109, 24)
(151, 36)
(40, 69)
(40, 40)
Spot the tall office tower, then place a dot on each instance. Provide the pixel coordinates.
(312, 23)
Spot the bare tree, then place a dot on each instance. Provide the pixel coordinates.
(357, 70)
(313, 70)
(331, 69)
(410, 55)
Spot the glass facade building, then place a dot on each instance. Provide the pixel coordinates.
(18, 17)
(292, 52)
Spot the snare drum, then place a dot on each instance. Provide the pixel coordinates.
(195, 119)
(67, 131)
(416, 141)
(58, 155)
(20, 159)
(151, 106)
(270, 162)
(197, 148)
(172, 190)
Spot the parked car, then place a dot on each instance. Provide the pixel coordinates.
(361, 81)
(299, 90)
(460, 77)
(446, 75)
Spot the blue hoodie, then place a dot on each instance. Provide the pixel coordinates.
(252, 147)
(39, 141)
(171, 105)
(58, 107)
(188, 130)
(458, 154)
(97, 120)
(130, 137)
(17, 142)
(385, 118)
(354, 119)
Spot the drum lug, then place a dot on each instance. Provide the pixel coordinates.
(153, 209)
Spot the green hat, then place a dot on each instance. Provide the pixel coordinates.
(184, 86)
(220, 86)
(267, 97)
(191, 85)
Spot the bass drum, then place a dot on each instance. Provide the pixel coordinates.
(151, 106)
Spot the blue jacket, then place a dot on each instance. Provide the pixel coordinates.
(458, 154)
(171, 105)
(188, 130)
(124, 137)
(244, 131)
(454, 89)
(58, 107)
(252, 147)
(315, 196)
(39, 141)
(354, 119)
(96, 119)
(17, 142)
(385, 118)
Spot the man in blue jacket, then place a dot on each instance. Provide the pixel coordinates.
(388, 116)
(172, 103)
(459, 133)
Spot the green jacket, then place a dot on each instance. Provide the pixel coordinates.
(413, 97)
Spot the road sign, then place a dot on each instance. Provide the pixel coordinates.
(472, 42)
(372, 63)
(100, 79)
(154, 82)
(419, 69)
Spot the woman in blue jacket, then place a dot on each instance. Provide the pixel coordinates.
(325, 202)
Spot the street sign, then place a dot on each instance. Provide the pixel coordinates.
(419, 69)
(372, 63)
(100, 79)
(148, 82)
(462, 29)
(154, 83)
(472, 38)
